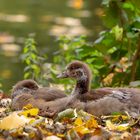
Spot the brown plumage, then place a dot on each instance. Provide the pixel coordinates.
(50, 108)
(82, 74)
(21, 100)
(28, 92)
(49, 93)
(31, 89)
(115, 102)
(119, 101)
(104, 100)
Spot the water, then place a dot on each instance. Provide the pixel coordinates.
(47, 19)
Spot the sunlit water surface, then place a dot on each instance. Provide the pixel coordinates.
(47, 19)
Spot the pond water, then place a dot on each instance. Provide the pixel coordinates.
(47, 19)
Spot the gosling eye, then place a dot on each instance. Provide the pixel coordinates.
(79, 73)
(74, 74)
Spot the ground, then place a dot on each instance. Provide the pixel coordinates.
(67, 125)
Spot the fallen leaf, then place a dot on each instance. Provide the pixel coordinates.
(28, 106)
(122, 127)
(117, 117)
(78, 121)
(110, 125)
(117, 127)
(13, 121)
(16, 132)
(61, 135)
(91, 123)
(68, 113)
(52, 138)
(30, 112)
(82, 130)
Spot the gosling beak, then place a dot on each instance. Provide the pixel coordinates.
(63, 75)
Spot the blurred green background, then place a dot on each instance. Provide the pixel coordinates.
(47, 19)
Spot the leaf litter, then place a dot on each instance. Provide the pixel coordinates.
(69, 124)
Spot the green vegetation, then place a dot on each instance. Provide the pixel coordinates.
(113, 56)
(34, 63)
(31, 58)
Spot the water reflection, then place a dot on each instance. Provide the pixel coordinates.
(13, 18)
(47, 19)
(10, 50)
(6, 38)
(68, 26)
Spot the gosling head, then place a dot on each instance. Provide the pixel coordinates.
(29, 83)
(76, 70)
(24, 86)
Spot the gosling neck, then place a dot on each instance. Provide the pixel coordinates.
(82, 85)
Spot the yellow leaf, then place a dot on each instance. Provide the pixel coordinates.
(60, 135)
(52, 138)
(78, 121)
(16, 132)
(92, 123)
(13, 121)
(32, 121)
(120, 118)
(82, 130)
(110, 125)
(30, 112)
(28, 106)
(32, 134)
(120, 127)
(117, 117)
